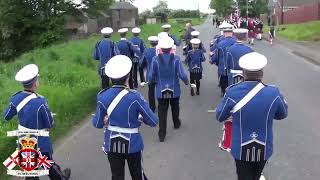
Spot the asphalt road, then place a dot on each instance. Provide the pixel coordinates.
(191, 153)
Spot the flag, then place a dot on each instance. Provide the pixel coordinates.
(11, 162)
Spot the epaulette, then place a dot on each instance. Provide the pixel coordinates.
(16, 93)
(133, 90)
(271, 85)
(39, 95)
(233, 85)
(103, 90)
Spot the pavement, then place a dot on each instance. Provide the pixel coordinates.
(307, 50)
(191, 153)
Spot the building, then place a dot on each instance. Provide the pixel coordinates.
(124, 14)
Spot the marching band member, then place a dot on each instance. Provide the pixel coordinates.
(252, 106)
(122, 111)
(188, 47)
(138, 42)
(194, 60)
(34, 114)
(219, 56)
(146, 61)
(105, 50)
(166, 71)
(128, 49)
(166, 28)
(235, 75)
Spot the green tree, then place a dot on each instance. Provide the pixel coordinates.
(223, 7)
(255, 7)
(162, 10)
(26, 24)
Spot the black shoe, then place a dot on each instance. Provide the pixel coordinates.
(177, 125)
(67, 173)
(198, 92)
(161, 139)
(192, 92)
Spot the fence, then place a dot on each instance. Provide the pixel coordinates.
(305, 13)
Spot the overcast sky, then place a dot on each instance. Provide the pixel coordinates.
(174, 4)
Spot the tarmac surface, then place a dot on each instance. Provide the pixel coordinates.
(191, 153)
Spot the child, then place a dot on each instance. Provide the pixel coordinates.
(145, 62)
(194, 59)
(271, 34)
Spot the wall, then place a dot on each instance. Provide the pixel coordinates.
(305, 13)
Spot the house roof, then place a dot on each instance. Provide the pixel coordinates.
(123, 5)
(296, 3)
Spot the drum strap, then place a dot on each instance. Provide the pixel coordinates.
(25, 101)
(116, 101)
(247, 98)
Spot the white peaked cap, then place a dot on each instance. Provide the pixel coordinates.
(195, 33)
(118, 67)
(226, 26)
(195, 41)
(240, 31)
(253, 61)
(136, 30)
(27, 73)
(166, 43)
(163, 35)
(166, 26)
(123, 30)
(106, 30)
(153, 38)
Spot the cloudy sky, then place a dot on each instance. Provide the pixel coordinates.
(174, 4)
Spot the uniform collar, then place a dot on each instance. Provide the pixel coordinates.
(120, 86)
(124, 39)
(28, 91)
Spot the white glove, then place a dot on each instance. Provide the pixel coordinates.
(53, 114)
(140, 118)
(143, 84)
(193, 86)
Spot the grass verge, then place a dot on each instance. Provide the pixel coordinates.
(309, 31)
(68, 79)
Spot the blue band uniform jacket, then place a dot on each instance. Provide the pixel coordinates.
(219, 57)
(138, 42)
(252, 132)
(34, 115)
(127, 48)
(234, 53)
(165, 72)
(146, 60)
(194, 60)
(124, 115)
(104, 51)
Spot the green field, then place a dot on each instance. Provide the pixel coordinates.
(309, 31)
(68, 79)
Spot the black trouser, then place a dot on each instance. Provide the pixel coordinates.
(117, 164)
(151, 95)
(196, 82)
(135, 69)
(163, 105)
(223, 82)
(131, 79)
(55, 172)
(249, 170)
(104, 81)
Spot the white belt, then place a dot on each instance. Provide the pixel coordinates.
(23, 131)
(123, 130)
(233, 71)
